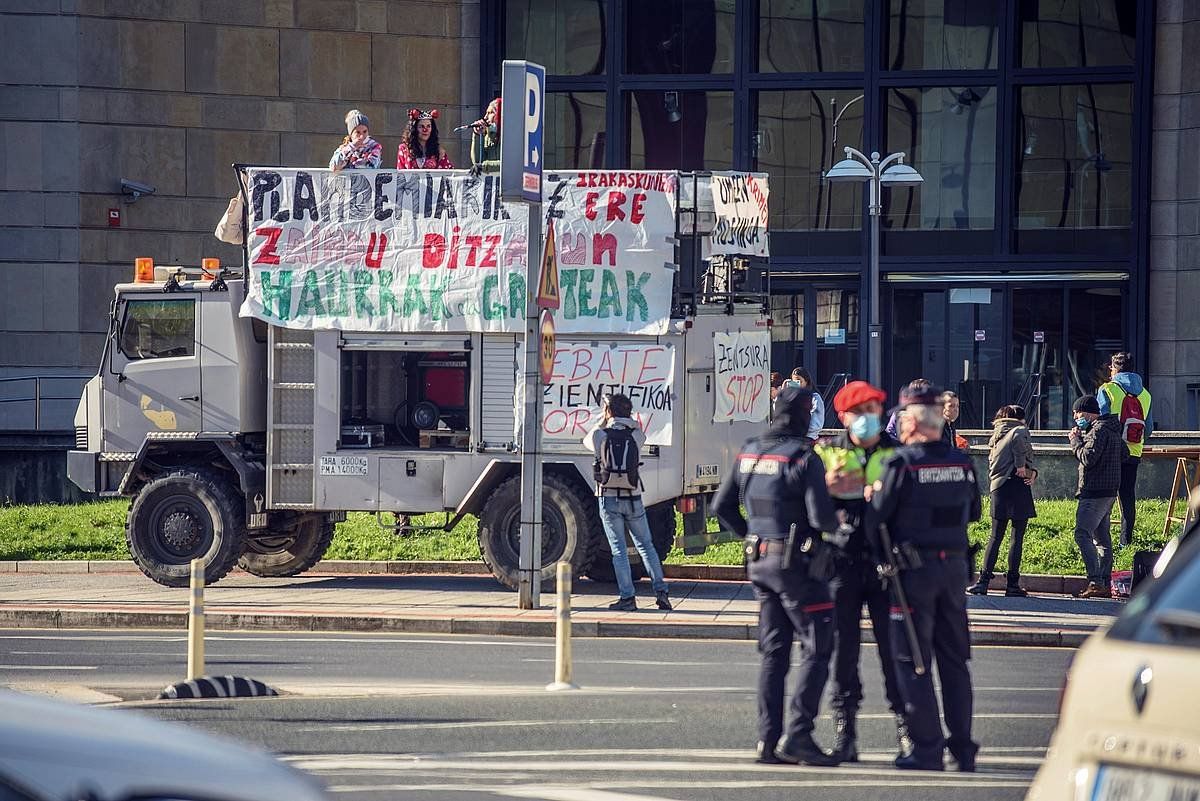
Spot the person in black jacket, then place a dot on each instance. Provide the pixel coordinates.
(1097, 445)
(926, 498)
(781, 482)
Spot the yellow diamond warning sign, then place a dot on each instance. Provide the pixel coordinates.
(548, 293)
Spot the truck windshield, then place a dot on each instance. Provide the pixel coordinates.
(156, 329)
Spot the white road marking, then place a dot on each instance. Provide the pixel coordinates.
(936, 780)
(741, 755)
(549, 793)
(68, 692)
(646, 663)
(382, 639)
(49, 667)
(483, 724)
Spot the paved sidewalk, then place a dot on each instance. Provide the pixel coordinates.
(464, 604)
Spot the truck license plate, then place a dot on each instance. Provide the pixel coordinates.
(1124, 784)
(712, 471)
(343, 465)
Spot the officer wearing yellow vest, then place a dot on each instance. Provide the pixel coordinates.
(853, 463)
(1127, 398)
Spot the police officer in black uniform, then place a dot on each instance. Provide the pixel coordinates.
(922, 504)
(781, 482)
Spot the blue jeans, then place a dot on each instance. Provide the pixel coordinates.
(617, 515)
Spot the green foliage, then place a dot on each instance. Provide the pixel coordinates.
(96, 531)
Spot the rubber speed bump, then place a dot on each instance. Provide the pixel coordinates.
(217, 687)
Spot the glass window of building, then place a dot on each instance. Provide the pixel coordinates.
(1095, 330)
(1077, 33)
(565, 36)
(787, 332)
(949, 136)
(837, 341)
(679, 37)
(575, 132)
(671, 130)
(811, 35)
(1036, 371)
(801, 135)
(1075, 168)
(943, 34)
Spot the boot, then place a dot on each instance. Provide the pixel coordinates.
(1094, 590)
(803, 750)
(980, 587)
(903, 740)
(845, 739)
(765, 754)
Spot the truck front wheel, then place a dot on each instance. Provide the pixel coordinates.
(185, 515)
(570, 527)
(289, 551)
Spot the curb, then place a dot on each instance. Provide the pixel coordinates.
(1051, 585)
(271, 621)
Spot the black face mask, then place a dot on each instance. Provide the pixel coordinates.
(793, 411)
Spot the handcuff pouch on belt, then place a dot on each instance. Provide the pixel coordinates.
(908, 557)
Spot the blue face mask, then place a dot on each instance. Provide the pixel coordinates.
(865, 426)
(1083, 423)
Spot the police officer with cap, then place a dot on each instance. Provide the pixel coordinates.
(920, 511)
(853, 463)
(781, 483)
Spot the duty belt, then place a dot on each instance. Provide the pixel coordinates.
(943, 554)
(771, 546)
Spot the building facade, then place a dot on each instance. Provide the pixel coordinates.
(1059, 218)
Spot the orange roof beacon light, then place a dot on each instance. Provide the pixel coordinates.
(143, 270)
(210, 267)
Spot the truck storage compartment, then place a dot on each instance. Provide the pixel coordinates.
(405, 399)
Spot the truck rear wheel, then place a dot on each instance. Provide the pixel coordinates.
(289, 551)
(661, 517)
(185, 515)
(570, 527)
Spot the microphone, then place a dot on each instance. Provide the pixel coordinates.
(468, 126)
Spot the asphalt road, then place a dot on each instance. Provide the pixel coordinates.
(451, 717)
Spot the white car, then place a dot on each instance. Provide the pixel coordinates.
(1129, 720)
(51, 750)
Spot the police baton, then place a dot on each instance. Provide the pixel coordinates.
(892, 573)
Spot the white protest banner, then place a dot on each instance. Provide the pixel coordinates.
(585, 372)
(741, 361)
(410, 250)
(740, 200)
(613, 231)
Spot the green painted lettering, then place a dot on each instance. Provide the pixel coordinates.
(337, 294)
(516, 295)
(566, 286)
(414, 298)
(310, 296)
(278, 296)
(635, 297)
(437, 299)
(586, 309)
(492, 308)
(387, 298)
(363, 281)
(610, 295)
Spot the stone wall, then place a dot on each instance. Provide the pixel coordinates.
(1174, 333)
(170, 93)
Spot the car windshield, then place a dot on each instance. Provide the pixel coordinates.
(1167, 612)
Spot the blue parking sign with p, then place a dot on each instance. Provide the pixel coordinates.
(521, 126)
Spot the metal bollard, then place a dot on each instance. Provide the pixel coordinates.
(195, 666)
(562, 632)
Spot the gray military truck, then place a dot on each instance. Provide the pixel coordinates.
(242, 442)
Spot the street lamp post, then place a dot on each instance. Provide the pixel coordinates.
(879, 173)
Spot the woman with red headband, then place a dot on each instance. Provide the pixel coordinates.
(419, 149)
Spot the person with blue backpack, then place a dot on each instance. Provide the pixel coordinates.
(617, 441)
(1127, 397)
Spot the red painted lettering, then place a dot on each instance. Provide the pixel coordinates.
(604, 243)
(615, 199)
(434, 250)
(374, 257)
(637, 214)
(266, 253)
(589, 205)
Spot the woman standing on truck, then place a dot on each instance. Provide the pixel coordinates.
(358, 150)
(419, 149)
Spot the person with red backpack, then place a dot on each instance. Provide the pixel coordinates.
(1127, 397)
(617, 442)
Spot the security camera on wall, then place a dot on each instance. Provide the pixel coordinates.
(135, 189)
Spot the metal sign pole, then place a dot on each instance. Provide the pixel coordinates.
(523, 87)
(529, 589)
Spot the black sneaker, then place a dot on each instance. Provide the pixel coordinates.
(664, 602)
(979, 588)
(910, 762)
(624, 605)
(765, 754)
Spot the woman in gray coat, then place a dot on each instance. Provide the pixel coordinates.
(1011, 476)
